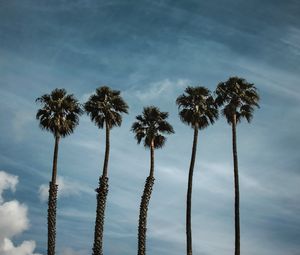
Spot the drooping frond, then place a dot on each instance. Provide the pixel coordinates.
(151, 126)
(237, 96)
(197, 107)
(59, 113)
(106, 105)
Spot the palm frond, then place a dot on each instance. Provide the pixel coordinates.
(238, 97)
(106, 106)
(197, 107)
(59, 113)
(150, 126)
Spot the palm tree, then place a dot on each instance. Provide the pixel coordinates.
(60, 115)
(239, 98)
(198, 110)
(104, 108)
(149, 127)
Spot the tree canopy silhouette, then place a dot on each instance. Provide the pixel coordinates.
(238, 98)
(149, 127)
(104, 108)
(59, 115)
(197, 109)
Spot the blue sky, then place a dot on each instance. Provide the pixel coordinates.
(151, 50)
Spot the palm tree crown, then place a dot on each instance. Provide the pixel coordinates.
(198, 107)
(60, 112)
(105, 106)
(151, 127)
(239, 98)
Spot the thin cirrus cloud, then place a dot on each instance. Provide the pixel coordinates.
(160, 89)
(151, 50)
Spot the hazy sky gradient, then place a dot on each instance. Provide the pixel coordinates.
(151, 50)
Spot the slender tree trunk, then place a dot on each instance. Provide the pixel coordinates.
(144, 205)
(152, 160)
(189, 250)
(102, 191)
(236, 189)
(52, 203)
(107, 146)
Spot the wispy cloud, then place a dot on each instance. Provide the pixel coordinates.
(66, 188)
(151, 55)
(159, 90)
(292, 40)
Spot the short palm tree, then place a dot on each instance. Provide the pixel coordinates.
(60, 115)
(198, 110)
(104, 108)
(239, 98)
(149, 127)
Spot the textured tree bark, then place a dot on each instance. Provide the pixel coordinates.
(189, 250)
(236, 189)
(143, 215)
(52, 203)
(52, 218)
(101, 199)
(99, 223)
(144, 205)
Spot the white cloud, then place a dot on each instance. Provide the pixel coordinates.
(7, 181)
(66, 188)
(13, 220)
(158, 89)
(26, 248)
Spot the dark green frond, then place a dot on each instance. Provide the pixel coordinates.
(246, 111)
(165, 127)
(151, 126)
(228, 112)
(159, 141)
(237, 96)
(106, 105)
(59, 113)
(197, 107)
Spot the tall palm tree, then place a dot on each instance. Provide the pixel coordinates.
(149, 127)
(239, 98)
(198, 110)
(60, 115)
(104, 108)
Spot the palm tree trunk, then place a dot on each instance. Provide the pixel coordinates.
(189, 195)
(236, 188)
(107, 145)
(102, 191)
(52, 203)
(144, 205)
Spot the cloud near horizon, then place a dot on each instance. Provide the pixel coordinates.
(13, 220)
